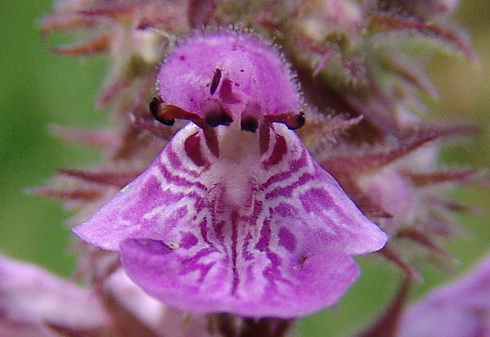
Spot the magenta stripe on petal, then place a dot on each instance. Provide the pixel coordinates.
(234, 217)
(298, 288)
(253, 245)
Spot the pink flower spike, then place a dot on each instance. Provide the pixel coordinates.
(227, 219)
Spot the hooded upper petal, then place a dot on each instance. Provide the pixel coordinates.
(234, 70)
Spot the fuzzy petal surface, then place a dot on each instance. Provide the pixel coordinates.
(254, 234)
(265, 285)
(248, 68)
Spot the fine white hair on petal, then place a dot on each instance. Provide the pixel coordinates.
(234, 215)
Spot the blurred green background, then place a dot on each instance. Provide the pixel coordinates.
(38, 89)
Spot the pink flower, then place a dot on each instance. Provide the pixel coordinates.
(459, 309)
(234, 215)
(32, 299)
(34, 303)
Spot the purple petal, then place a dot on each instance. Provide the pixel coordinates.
(30, 297)
(256, 234)
(263, 284)
(248, 70)
(463, 306)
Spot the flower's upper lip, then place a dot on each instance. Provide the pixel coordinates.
(241, 71)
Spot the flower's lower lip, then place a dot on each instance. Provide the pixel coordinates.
(261, 235)
(170, 276)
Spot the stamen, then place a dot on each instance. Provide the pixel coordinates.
(158, 113)
(155, 105)
(167, 113)
(217, 116)
(249, 124)
(291, 120)
(300, 120)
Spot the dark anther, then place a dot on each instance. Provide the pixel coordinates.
(157, 111)
(291, 120)
(215, 118)
(155, 105)
(300, 120)
(249, 124)
(168, 122)
(215, 81)
(295, 122)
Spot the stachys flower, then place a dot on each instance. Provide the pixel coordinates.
(234, 215)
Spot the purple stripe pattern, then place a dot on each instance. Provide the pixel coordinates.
(260, 230)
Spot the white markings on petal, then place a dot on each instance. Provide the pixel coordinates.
(239, 229)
